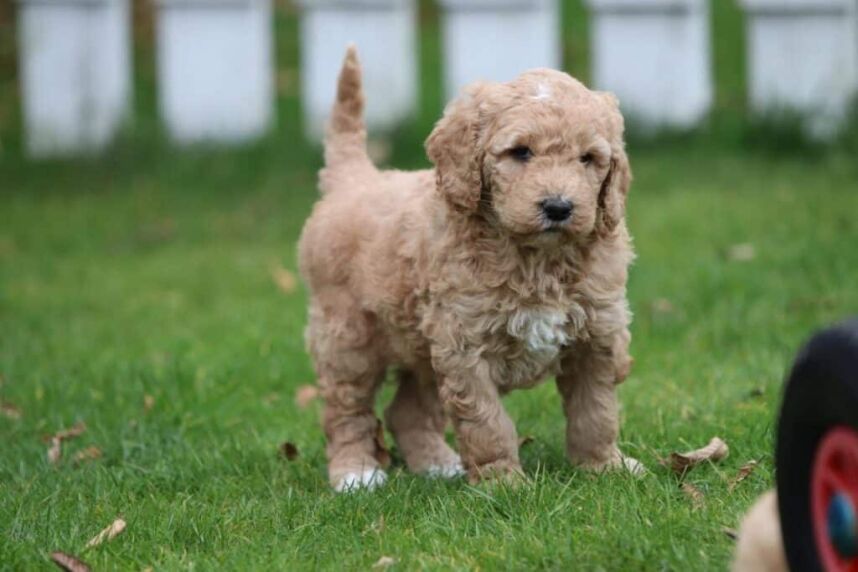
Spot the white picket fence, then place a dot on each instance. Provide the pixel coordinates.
(216, 61)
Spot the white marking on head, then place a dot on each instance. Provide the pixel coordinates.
(542, 92)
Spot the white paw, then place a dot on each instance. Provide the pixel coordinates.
(368, 479)
(447, 471)
(634, 466)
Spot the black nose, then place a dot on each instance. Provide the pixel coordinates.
(557, 210)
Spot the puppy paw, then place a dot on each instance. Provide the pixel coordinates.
(500, 472)
(368, 479)
(617, 462)
(448, 470)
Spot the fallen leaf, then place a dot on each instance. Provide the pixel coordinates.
(742, 252)
(662, 306)
(757, 392)
(272, 397)
(289, 451)
(382, 454)
(681, 463)
(693, 493)
(731, 533)
(305, 395)
(55, 452)
(75, 430)
(284, 279)
(148, 403)
(89, 454)
(379, 150)
(116, 527)
(743, 473)
(526, 439)
(69, 563)
(9, 410)
(384, 562)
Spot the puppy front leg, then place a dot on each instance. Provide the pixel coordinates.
(488, 443)
(587, 383)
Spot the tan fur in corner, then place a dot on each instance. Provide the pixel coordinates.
(760, 546)
(503, 266)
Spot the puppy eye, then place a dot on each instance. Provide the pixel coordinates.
(521, 153)
(586, 158)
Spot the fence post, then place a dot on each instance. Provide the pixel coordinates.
(215, 69)
(496, 40)
(384, 32)
(75, 67)
(803, 57)
(655, 55)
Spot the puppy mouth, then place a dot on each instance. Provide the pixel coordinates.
(555, 227)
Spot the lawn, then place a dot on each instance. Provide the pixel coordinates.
(137, 296)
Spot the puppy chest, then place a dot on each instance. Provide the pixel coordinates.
(539, 330)
(537, 336)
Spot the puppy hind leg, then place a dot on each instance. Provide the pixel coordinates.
(417, 421)
(350, 371)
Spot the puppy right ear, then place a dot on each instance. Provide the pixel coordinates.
(453, 147)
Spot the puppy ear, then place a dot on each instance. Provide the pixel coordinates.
(453, 149)
(612, 196)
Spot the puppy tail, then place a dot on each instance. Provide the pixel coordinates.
(346, 136)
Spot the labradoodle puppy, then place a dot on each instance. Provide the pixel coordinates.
(503, 266)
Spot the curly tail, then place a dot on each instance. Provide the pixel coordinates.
(345, 140)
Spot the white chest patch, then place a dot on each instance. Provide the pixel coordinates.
(542, 330)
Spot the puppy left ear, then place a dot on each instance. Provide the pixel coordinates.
(612, 196)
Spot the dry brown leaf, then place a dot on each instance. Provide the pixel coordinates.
(75, 430)
(69, 563)
(148, 403)
(289, 451)
(681, 463)
(743, 473)
(305, 395)
(379, 150)
(742, 252)
(662, 306)
(9, 410)
(284, 279)
(116, 527)
(384, 562)
(382, 454)
(55, 452)
(525, 440)
(693, 493)
(89, 454)
(731, 533)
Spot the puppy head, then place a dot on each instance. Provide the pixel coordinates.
(541, 157)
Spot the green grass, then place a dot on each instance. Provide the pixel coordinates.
(147, 272)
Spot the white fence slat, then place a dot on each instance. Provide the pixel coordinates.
(75, 73)
(496, 40)
(803, 56)
(655, 55)
(215, 69)
(384, 32)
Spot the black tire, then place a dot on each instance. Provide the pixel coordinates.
(821, 393)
